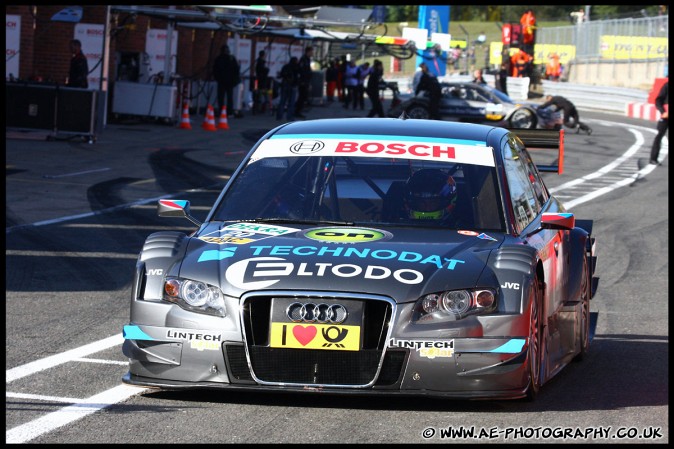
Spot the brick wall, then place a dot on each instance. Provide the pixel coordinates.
(45, 53)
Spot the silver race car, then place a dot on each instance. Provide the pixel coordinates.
(370, 256)
(480, 103)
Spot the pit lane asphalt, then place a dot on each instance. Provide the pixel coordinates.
(125, 153)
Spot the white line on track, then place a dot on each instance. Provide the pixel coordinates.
(64, 357)
(66, 415)
(80, 407)
(106, 362)
(105, 211)
(16, 252)
(40, 397)
(612, 167)
(77, 173)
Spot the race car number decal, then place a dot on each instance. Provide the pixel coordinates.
(404, 147)
(315, 336)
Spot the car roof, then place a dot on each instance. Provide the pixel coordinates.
(491, 135)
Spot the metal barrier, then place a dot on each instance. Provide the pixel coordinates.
(608, 99)
(605, 99)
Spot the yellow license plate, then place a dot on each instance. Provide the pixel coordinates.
(315, 336)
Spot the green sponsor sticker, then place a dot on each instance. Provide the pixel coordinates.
(346, 235)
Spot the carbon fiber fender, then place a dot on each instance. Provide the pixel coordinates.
(514, 267)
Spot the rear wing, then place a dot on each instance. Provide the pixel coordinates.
(534, 139)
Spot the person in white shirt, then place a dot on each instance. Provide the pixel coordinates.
(417, 76)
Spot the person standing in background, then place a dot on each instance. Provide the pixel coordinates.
(350, 83)
(226, 73)
(478, 78)
(520, 63)
(79, 67)
(304, 85)
(662, 105)
(417, 76)
(261, 85)
(261, 69)
(456, 57)
(362, 72)
(502, 76)
(528, 22)
(429, 83)
(553, 69)
(341, 68)
(290, 76)
(376, 75)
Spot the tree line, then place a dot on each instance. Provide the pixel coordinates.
(512, 13)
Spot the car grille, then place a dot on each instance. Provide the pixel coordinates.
(281, 367)
(315, 366)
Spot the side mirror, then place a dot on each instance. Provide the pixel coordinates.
(176, 208)
(564, 220)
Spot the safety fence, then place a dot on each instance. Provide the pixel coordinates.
(598, 98)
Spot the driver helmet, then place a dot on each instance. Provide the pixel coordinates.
(430, 194)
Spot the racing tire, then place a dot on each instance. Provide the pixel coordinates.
(535, 351)
(523, 118)
(584, 331)
(418, 111)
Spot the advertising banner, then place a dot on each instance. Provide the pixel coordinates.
(155, 47)
(634, 47)
(435, 19)
(12, 40)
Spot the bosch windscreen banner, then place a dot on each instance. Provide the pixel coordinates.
(91, 37)
(435, 19)
(430, 148)
(12, 44)
(155, 47)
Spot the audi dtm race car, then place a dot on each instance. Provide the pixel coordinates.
(370, 256)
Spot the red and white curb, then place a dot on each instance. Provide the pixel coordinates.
(646, 111)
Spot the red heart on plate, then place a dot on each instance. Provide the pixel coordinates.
(304, 334)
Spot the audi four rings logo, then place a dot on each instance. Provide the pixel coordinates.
(316, 313)
(307, 146)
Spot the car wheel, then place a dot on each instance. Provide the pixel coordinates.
(535, 354)
(584, 336)
(418, 111)
(523, 118)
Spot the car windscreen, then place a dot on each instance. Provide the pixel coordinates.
(501, 96)
(366, 190)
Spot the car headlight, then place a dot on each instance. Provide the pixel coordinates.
(454, 305)
(195, 296)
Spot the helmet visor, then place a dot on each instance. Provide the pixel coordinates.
(431, 203)
(418, 215)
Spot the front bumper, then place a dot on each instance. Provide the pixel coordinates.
(477, 368)
(469, 358)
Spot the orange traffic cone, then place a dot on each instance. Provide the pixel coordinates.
(222, 123)
(185, 121)
(209, 120)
